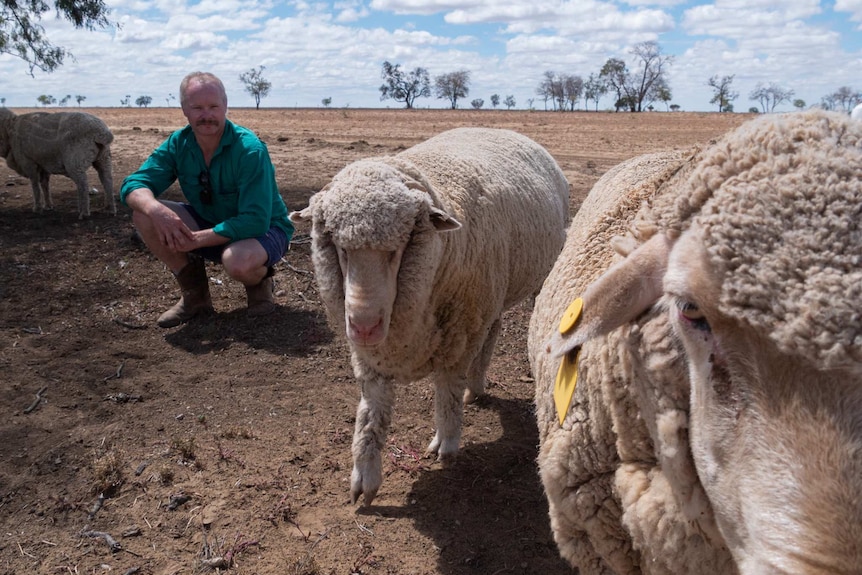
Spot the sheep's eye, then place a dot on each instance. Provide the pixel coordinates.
(692, 315)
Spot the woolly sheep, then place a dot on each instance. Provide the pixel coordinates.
(39, 144)
(417, 255)
(856, 113)
(716, 421)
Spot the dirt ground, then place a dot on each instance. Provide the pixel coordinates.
(126, 448)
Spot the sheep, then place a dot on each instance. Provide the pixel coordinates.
(417, 256)
(39, 144)
(856, 112)
(705, 311)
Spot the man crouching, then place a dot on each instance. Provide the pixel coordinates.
(234, 215)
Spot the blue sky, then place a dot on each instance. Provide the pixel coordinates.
(317, 50)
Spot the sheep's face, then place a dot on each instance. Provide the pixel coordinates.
(777, 443)
(378, 226)
(370, 286)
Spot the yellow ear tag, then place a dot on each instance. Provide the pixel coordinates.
(567, 375)
(564, 387)
(571, 315)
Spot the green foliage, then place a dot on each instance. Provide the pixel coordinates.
(326, 102)
(404, 87)
(256, 84)
(723, 95)
(46, 99)
(22, 35)
(477, 103)
(509, 102)
(452, 86)
(143, 101)
(80, 99)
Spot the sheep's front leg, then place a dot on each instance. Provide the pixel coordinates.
(448, 409)
(373, 417)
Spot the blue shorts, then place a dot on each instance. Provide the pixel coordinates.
(273, 241)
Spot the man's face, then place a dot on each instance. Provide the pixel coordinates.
(205, 109)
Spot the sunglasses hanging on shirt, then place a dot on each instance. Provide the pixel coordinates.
(206, 187)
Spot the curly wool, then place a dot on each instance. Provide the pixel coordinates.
(623, 491)
(366, 183)
(790, 173)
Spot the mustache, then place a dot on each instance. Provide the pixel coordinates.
(206, 122)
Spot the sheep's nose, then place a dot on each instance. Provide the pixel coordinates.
(365, 333)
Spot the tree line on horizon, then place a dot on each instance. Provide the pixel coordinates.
(635, 89)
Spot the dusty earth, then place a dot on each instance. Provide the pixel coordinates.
(224, 445)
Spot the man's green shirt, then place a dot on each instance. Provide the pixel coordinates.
(246, 201)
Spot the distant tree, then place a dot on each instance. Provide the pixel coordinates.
(674, 107)
(843, 99)
(594, 88)
(637, 89)
(564, 90)
(509, 102)
(22, 36)
(651, 74)
(477, 103)
(799, 104)
(127, 101)
(65, 100)
(573, 89)
(661, 92)
(495, 100)
(46, 99)
(169, 99)
(615, 75)
(80, 99)
(403, 87)
(545, 89)
(256, 84)
(770, 96)
(452, 86)
(754, 110)
(326, 102)
(143, 101)
(530, 103)
(723, 94)
(3, 102)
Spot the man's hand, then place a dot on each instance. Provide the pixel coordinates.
(171, 230)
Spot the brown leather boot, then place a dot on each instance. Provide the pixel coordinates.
(196, 295)
(260, 297)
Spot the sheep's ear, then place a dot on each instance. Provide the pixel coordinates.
(621, 294)
(442, 221)
(301, 216)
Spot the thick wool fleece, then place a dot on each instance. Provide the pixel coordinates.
(64, 143)
(779, 176)
(623, 491)
(511, 199)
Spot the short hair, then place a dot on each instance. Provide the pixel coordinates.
(201, 78)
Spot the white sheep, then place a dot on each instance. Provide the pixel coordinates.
(716, 420)
(39, 144)
(856, 113)
(417, 256)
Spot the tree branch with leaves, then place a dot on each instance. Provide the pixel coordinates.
(404, 87)
(22, 35)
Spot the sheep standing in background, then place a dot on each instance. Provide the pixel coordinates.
(856, 113)
(417, 256)
(716, 420)
(39, 144)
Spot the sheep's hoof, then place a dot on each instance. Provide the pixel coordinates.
(447, 459)
(471, 396)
